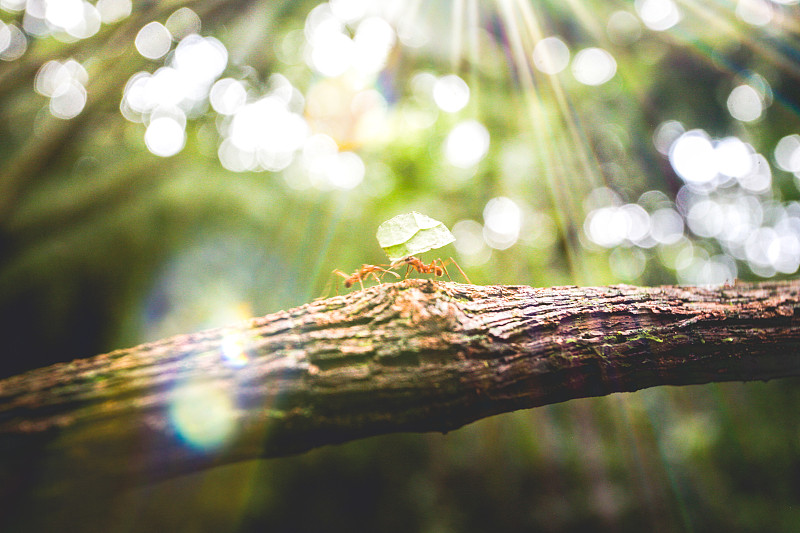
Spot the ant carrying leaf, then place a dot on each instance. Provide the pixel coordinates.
(401, 238)
(438, 270)
(405, 236)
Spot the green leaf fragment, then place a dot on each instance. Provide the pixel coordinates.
(411, 234)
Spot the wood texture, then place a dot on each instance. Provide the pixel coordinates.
(417, 355)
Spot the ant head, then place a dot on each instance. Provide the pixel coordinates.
(438, 271)
(348, 283)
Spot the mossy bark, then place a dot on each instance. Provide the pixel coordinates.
(417, 355)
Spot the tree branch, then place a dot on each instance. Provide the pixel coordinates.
(417, 355)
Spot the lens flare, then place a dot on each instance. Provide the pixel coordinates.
(203, 415)
(234, 350)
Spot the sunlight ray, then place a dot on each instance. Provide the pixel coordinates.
(589, 20)
(570, 119)
(561, 146)
(457, 44)
(473, 39)
(776, 51)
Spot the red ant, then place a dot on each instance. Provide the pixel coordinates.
(414, 263)
(362, 273)
(436, 267)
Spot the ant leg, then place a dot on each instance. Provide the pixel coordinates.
(383, 273)
(459, 269)
(431, 269)
(444, 268)
(326, 291)
(343, 275)
(395, 274)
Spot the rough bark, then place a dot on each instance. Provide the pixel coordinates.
(417, 355)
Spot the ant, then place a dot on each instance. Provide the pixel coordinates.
(436, 267)
(414, 263)
(362, 273)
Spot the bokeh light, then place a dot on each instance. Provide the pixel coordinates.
(594, 66)
(726, 199)
(693, 158)
(64, 83)
(372, 43)
(658, 15)
(13, 6)
(68, 100)
(623, 28)
(551, 55)
(469, 237)
(502, 221)
(666, 226)
(201, 60)
(227, 96)
(77, 18)
(330, 49)
(450, 93)
(755, 12)
(264, 134)
(745, 104)
(349, 10)
(13, 42)
(613, 225)
(327, 168)
(787, 153)
(113, 10)
(165, 136)
(54, 74)
(153, 41)
(179, 89)
(64, 20)
(666, 134)
(182, 23)
(734, 158)
(759, 180)
(5, 36)
(467, 144)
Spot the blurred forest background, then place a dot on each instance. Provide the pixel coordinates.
(171, 166)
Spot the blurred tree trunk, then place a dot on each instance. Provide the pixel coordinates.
(411, 356)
